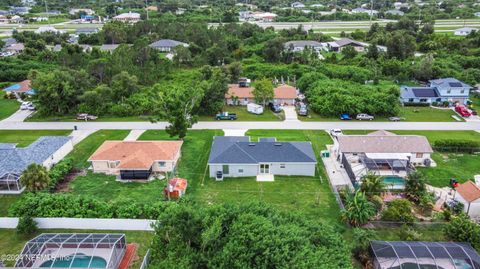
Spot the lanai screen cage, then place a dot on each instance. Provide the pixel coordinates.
(10, 183)
(73, 250)
(424, 255)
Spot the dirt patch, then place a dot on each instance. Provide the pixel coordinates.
(63, 185)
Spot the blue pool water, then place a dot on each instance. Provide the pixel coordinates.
(79, 261)
(393, 182)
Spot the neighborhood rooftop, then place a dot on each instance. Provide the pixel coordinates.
(239, 149)
(469, 191)
(136, 154)
(167, 43)
(384, 143)
(14, 160)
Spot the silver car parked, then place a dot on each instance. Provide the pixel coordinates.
(364, 116)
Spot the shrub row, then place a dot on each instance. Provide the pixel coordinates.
(415, 104)
(59, 171)
(69, 206)
(452, 145)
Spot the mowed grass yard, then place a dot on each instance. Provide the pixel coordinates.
(11, 243)
(449, 165)
(311, 195)
(7, 107)
(244, 115)
(413, 114)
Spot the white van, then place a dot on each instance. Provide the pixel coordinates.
(254, 108)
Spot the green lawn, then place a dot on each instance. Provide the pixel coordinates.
(5, 202)
(12, 244)
(191, 166)
(310, 195)
(7, 107)
(413, 114)
(24, 138)
(244, 115)
(449, 165)
(71, 118)
(83, 150)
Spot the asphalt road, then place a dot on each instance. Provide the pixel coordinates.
(235, 125)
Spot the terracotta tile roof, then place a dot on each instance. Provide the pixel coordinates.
(469, 191)
(137, 154)
(285, 92)
(240, 92)
(281, 92)
(386, 143)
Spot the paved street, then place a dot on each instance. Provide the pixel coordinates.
(235, 125)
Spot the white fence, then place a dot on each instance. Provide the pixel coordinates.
(87, 224)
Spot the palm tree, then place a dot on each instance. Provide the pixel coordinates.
(415, 186)
(372, 185)
(35, 178)
(358, 210)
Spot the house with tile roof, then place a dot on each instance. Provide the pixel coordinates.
(468, 194)
(242, 94)
(46, 151)
(449, 90)
(238, 156)
(20, 88)
(136, 160)
(382, 153)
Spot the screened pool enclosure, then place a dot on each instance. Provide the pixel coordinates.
(73, 251)
(424, 255)
(10, 183)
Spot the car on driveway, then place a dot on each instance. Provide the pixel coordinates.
(364, 116)
(302, 109)
(275, 108)
(336, 132)
(345, 117)
(27, 106)
(463, 111)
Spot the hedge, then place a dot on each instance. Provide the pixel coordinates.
(452, 145)
(57, 205)
(59, 171)
(415, 104)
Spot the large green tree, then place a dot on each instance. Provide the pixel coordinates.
(244, 236)
(263, 91)
(358, 210)
(463, 229)
(372, 185)
(177, 104)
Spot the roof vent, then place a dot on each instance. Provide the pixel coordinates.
(278, 144)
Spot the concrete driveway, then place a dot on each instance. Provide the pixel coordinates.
(290, 113)
(19, 116)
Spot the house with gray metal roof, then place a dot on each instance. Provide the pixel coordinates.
(46, 151)
(167, 45)
(449, 90)
(300, 45)
(237, 156)
(339, 45)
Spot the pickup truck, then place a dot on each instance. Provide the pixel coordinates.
(226, 116)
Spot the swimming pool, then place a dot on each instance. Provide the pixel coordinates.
(79, 261)
(394, 182)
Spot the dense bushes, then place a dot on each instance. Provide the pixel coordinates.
(246, 236)
(334, 97)
(463, 229)
(59, 171)
(399, 211)
(70, 206)
(452, 145)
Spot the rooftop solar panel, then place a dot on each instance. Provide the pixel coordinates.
(424, 92)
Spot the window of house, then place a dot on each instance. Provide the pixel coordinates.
(162, 164)
(240, 171)
(423, 100)
(462, 91)
(225, 169)
(282, 165)
(246, 99)
(112, 164)
(410, 100)
(419, 155)
(449, 91)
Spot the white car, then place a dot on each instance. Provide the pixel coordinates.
(336, 132)
(27, 106)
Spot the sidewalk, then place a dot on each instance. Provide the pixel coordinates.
(134, 135)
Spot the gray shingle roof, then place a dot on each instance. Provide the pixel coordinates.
(347, 41)
(162, 43)
(14, 160)
(239, 150)
(303, 43)
(447, 83)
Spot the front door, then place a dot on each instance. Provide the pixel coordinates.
(264, 168)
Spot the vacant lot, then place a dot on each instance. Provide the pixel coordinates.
(12, 244)
(244, 115)
(413, 114)
(7, 107)
(449, 165)
(24, 138)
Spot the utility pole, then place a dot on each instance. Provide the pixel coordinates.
(46, 7)
(146, 7)
(371, 12)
